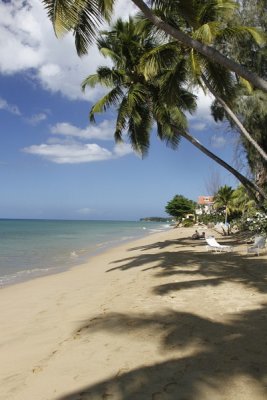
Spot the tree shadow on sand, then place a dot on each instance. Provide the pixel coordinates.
(204, 357)
(213, 268)
(222, 352)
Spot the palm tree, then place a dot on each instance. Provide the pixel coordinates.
(253, 109)
(224, 199)
(209, 21)
(140, 102)
(186, 40)
(241, 201)
(84, 17)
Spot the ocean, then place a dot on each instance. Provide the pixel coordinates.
(32, 248)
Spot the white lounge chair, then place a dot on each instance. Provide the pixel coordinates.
(259, 244)
(213, 245)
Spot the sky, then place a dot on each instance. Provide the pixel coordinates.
(54, 163)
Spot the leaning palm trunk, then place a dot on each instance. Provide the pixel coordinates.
(255, 192)
(84, 17)
(211, 53)
(234, 118)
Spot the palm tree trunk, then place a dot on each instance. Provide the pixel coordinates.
(255, 192)
(235, 119)
(208, 51)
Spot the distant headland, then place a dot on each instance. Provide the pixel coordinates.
(155, 219)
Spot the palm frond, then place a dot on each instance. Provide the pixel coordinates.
(163, 117)
(106, 8)
(213, 10)
(172, 89)
(82, 17)
(236, 33)
(110, 99)
(122, 119)
(139, 126)
(246, 84)
(206, 33)
(137, 94)
(108, 53)
(87, 26)
(105, 76)
(158, 59)
(195, 63)
(62, 15)
(185, 9)
(91, 80)
(221, 80)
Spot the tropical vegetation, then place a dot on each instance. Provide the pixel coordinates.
(151, 74)
(211, 22)
(224, 200)
(141, 99)
(233, 207)
(179, 207)
(83, 18)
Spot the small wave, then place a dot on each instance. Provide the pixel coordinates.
(21, 275)
(127, 238)
(159, 229)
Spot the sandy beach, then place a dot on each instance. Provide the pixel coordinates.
(159, 318)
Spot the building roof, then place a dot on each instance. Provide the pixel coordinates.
(205, 200)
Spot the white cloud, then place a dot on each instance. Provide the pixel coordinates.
(218, 141)
(103, 131)
(4, 105)
(37, 118)
(122, 149)
(202, 117)
(70, 154)
(75, 153)
(49, 71)
(198, 126)
(28, 42)
(124, 8)
(204, 102)
(66, 145)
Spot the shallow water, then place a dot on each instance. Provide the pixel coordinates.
(30, 248)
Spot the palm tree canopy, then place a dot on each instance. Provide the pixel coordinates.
(224, 200)
(241, 201)
(210, 22)
(143, 103)
(140, 103)
(83, 18)
(224, 197)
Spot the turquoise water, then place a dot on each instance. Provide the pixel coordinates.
(30, 248)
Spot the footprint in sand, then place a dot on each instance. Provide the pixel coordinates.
(37, 369)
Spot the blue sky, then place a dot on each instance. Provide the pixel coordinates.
(53, 163)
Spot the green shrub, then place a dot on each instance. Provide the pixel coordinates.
(188, 222)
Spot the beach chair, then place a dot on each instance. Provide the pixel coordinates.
(213, 245)
(259, 244)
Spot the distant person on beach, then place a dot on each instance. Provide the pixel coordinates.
(196, 235)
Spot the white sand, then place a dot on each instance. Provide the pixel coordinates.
(159, 318)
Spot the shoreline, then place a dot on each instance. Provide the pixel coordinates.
(32, 274)
(157, 318)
